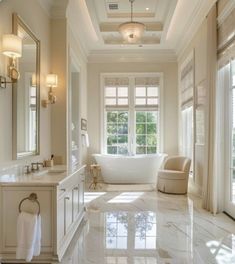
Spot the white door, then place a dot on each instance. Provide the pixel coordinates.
(229, 71)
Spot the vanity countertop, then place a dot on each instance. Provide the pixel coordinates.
(47, 176)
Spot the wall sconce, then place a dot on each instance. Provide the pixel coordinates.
(33, 80)
(12, 48)
(52, 82)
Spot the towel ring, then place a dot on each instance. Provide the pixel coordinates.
(33, 198)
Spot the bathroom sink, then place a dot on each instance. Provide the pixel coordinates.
(50, 171)
(40, 173)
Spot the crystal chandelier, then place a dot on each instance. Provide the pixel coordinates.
(132, 31)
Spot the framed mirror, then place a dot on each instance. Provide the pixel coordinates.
(26, 94)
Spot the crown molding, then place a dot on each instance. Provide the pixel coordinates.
(59, 9)
(55, 9)
(226, 12)
(46, 6)
(112, 56)
(191, 29)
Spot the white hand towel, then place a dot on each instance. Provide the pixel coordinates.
(28, 236)
(37, 244)
(85, 140)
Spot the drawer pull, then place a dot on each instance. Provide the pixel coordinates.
(67, 198)
(75, 188)
(63, 190)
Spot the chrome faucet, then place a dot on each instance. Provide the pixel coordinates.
(38, 164)
(27, 169)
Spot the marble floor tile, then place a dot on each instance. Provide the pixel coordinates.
(151, 228)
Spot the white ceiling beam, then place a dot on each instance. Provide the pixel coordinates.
(113, 27)
(127, 15)
(144, 41)
(140, 55)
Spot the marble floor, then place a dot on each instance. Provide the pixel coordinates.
(151, 228)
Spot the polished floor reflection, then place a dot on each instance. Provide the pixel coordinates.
(151, 228)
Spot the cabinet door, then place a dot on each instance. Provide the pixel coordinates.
(76, 205)
(68, 210)
(61, 220)
(81, 193)
(10, 199)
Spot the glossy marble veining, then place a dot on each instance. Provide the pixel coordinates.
(151, 228)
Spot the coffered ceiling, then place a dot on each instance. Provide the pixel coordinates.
(107, 15)
(170, 24)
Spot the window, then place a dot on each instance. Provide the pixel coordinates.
(232, 138)
(131, 115)
(117, 132)
(146, 132)
(32, 117)
(146, 96)
(186, 98)
(187, 131)
(115, 96)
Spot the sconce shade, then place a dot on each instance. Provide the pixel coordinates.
(52, 80)
(12, 45)
(34, 80)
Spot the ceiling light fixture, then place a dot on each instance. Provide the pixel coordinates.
(132, 31)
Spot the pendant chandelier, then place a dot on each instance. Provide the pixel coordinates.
(132, 31)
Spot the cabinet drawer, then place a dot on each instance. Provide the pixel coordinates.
(72, 181)
(67, 185)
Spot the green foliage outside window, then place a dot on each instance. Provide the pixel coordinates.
(146, 132)
(117, 132)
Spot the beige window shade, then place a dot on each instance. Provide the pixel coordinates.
(226, 32)
(147, 92)
(109, 81)
(186, 84)
(147, 81)
(116, 93)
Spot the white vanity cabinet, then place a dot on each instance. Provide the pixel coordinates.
(70, 198)
(62, 210)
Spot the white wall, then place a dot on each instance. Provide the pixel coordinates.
(170, 100)
(66, 50)
(59, 66)
(77, 55)
(37, 19)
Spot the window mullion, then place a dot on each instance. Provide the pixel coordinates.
(132, 116)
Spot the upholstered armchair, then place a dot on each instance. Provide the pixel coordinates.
(173, 178)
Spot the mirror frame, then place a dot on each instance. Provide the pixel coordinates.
(16, 22)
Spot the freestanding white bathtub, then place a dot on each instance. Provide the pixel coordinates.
(130, 169)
